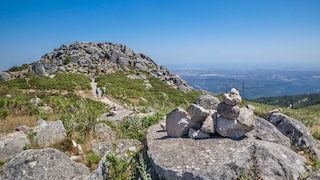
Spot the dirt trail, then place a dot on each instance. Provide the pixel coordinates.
(121, 111)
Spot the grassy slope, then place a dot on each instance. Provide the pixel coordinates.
(80, 114)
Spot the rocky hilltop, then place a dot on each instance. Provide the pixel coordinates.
(95, 59)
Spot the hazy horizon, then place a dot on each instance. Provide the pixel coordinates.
(246, 33)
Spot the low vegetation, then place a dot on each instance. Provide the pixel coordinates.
(18, 68)
(294, 101)
(133, 92)
(79, 115)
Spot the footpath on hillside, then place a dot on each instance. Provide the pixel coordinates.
(122, 112)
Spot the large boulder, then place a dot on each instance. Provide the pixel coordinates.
(178, 123)
(4, 76)
(48, 133)
(38, 164)
(39, 69)
(84, 62)
(297, 132)
(12, 144)
(207, 101)
(220, 158)
(266, 131)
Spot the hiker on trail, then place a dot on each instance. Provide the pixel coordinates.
(105, 63)
(97, 93)
(104, 91)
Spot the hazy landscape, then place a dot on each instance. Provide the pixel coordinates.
(253, 83)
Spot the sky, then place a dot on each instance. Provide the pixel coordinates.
(174, 33)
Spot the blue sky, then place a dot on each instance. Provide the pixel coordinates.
(174, 33)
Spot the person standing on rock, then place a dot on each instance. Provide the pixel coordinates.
(104, 91)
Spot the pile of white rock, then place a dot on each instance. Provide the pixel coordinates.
(233, 121)
(227, 119)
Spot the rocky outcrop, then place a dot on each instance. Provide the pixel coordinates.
(266, 131)
(220, 158)
(45, 133)
(297, 132)
(4, 76)
(12, 144)
(43, 164)
(48, 133)
(99, 58)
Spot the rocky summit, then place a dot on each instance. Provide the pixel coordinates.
(94, 59)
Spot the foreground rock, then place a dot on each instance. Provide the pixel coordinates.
(49, 133)
(178, 123)
(220, 158)
(43, 164)
(12, 144)
(266, 131)
(297, 132)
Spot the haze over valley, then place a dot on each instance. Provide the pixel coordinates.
(254, 82)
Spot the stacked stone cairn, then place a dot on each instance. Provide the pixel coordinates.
(208, 116)
(233, 121)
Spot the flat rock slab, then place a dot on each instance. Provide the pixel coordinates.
(121, 113)
(219, 158)
(36, 164)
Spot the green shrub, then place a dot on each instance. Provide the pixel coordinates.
(62, 81)
(3, 113)
(118, 168)
(317, 164)
(66, 60)
(136, 128)
(18, 68)
(161, 96)
(19, 83)
(1, 163)
(316, 135)
(93, 159)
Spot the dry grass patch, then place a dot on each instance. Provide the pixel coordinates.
(13, 121)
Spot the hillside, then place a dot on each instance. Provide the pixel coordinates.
(294, 101)
(60, 88)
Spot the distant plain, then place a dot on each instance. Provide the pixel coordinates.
(254, 82)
